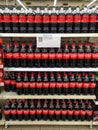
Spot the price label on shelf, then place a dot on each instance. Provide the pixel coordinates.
(48, 41)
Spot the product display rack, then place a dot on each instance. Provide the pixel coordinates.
(12, 95)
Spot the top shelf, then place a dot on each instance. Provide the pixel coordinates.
(50, 34)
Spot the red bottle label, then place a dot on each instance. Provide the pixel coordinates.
(83, 112)
(61, 19)
(15, 55)
(7, 82)
(30, 19)
(77, 18)
(1, 18)
(14, 18)
(46, 18)
(39, 84)
(30, 55)
(59, 56)
(45, 84)
(52, 56)
(86, 85)
(53, 18)
(13, 112)
(73, 55)
(89, 112)
(19, 84)
(69, 19)
(93, 18)
(20, 112)
(57, 112)
(13, 82)
(64, 112)
(38, 112)
(80, 56)
(66, 55)
(65, 85)
(79, 84)
(38, 19)
(45, 55)
(22, 19)
(26, 112)
(52, 85)
(8, 55)
(51, 112)
(45, 112)
(37, 55)
(25, 84)
(76, 112)
(32, 85)
(23, 55)
(7, 112)
(70, 112)
(85, 18)
(94, 55)
(59, 85)
(92, 85)
(32, 112)
(87, 55)
(7, 18)
(72, 84)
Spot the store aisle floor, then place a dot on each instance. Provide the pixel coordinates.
(48, 128)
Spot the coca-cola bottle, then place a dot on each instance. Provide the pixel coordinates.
(13, 110)
(70, 111)
(1, 20)
(20, 110)
(7, 110)
(15, 20)
(85, 20)
(92, 84)
(38, 21)
(39, 110)
(89, 111)
(65, 84)
(52, 83)
(94, 55)
(59, 84)
(52, 56)
(23, 55)
(37, 57)
(53, 21)
(39, 84)
(51, 110)
(80, 56)
(13, 81)
(64, 110)
(86, 84)
(8, 55)
(83, 111)
(87, 55)
(61, 20)
(66, 55)
(26, 110)
(16, 55)
(72, 84)
(59, 58)
(7, 82)
(69, 20)
(79, 84)
(45, 110)
(46, 21)
(77, 20)
(7, 20)
(19, 84)
(32, 110)
(30, 56)
(57, 110)
(22, 21)
(32, 84)
(45, 84)
(25, 84)
(76, 111)
(45, 56)
(73, 56)
(30, 21)
(93, 20)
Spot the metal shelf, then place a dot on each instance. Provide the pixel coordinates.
(13, 95)
(50, 34)
(53, 69)
(29, 122)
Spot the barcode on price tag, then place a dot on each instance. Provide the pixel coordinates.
(48, 41)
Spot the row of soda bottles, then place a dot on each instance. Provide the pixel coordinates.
(81, 55)
(49, 109)
(49, 21)
(50, 83)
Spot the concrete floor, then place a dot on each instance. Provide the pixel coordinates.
(48, 128)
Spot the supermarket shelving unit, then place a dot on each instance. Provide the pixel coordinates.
(12, 95)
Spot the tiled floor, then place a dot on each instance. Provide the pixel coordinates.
(48, 128)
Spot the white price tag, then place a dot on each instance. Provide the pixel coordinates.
(48, 41)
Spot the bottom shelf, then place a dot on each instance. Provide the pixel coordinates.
(29, 122)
